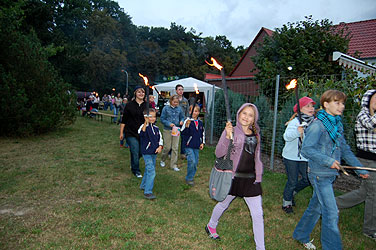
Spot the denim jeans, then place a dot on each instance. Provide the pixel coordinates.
(147, 182)
(134, 145)
(192, 159)
(293, 169)
(323, 204)
(116, 113)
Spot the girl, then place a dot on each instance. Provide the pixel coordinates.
(296, 164)
(193, 130)
(172, 117)
(324, 146)
(247, 171)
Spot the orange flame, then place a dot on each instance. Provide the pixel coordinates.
(215, 64)
(292, 84)
(196, 88)
(145, 79)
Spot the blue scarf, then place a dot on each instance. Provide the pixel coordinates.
(331, 123)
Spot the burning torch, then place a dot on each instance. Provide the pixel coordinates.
(195, 100)
(294, 85)
(146, 81)
(224, 86)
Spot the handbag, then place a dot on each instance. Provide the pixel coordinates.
(221, 176)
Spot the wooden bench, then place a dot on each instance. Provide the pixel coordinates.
(99, 115)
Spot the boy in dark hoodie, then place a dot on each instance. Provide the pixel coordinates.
(365, 130)
(193, 131)
(151, 144)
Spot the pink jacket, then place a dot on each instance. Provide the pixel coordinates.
(238, 141)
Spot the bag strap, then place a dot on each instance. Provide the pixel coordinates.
(229, 149)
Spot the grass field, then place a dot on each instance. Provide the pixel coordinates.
(73, 189)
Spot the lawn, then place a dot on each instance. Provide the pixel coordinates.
(73, 189)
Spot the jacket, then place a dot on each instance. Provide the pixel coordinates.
(150, 139)
(171, 115)
(133, 118)
(291, 137)
(318, 148)
(193, 136)
(238, 141)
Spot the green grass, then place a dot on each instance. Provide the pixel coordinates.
(73, 189)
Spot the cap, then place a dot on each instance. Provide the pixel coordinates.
(137, 87)
(303, 102)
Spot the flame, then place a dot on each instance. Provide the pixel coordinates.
(215, 64)
(145, 79)
(292, 84)
(196, 88)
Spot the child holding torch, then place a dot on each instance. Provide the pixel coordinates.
(193, 130)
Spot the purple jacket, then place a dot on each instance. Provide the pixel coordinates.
(238, 141)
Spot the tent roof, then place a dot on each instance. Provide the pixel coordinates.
(188, 84)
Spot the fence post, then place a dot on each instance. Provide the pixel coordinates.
(212, 116)
(274, 122)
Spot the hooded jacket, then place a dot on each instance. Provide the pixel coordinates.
(238, 142)
(365, 129)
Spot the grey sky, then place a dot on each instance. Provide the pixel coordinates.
(240, 20)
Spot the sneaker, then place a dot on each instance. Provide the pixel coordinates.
(121, 146)
(183, 157)
(138, 175)
(213, 235)
(287, 209)
(190, 183)
(163, 164)
(176, 169)
(150, 196)
(371, 236)
(309, 245)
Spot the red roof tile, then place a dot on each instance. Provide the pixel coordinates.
(363, 38)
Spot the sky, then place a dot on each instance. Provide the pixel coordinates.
(241, 20)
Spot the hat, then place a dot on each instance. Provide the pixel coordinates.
(303, 102)
(138, 87)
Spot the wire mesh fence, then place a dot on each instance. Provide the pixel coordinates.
(275, 112)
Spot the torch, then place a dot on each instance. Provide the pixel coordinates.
(224, 86)
(195, 100)
(147, 92)
(294, 85)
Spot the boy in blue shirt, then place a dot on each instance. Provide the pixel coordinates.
(324, 146)
(151, 144)
(194, 133)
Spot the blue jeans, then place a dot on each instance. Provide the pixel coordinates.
(147, 182)
(105, 105)
(323, 204)
(192, 159)
(116, 112)
(134, 145)
(293, 170)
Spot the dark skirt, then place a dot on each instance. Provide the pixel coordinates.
(245, 187)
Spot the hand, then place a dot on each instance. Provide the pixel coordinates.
(158, 150)
(301, 130)
(121, 137)
(172, 125)
(181, 123)
(187, 123)
(336, 165)
(229, 130)
(364, 176)
(201, 146)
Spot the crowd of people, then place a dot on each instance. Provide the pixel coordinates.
(314, 150)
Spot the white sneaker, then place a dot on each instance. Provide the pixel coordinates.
(309, 245)
(163, 164)
(138, 175)
(176, 169)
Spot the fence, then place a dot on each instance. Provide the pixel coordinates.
(275, 110)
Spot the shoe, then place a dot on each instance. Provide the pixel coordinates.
(121, 146)
(150, 196)
(371, 236)
(138, 175)
(287, 209)
(214, 236)
(176, 169)
(309, 245)
(163, 164)
(183, 157)
(190, 183)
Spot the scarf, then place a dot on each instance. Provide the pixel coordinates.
(331, 124)
(307, 120)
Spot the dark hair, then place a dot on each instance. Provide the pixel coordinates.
(179, 85)
(332, 95)
(196, 106)
(151, 110)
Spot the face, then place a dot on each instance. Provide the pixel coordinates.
(151, 98)
(174, 102)
(140, 94)
(308, 109)
(372, 103)
(246, 116)
(152, 117)
(195, 113)
(334, 107)
(179, 91)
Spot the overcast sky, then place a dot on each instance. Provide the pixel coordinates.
(240, 20)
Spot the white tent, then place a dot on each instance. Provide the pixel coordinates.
(188, 84)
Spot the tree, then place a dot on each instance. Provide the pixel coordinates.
(305, 46)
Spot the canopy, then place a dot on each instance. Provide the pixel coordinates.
(188, 84)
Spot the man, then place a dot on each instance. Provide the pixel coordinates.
(184, 105)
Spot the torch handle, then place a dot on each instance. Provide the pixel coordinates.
(225, 92)
(298, 104)
(147, 100)
(193, 106)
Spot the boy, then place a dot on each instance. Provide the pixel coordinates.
(193, 130)
(151, 145)
(324, 146)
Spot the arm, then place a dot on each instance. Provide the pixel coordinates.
(224, 141)
(185, 126)
(164, 120)
(181, 117)
(122, 125)
(202, 138)
(159, 149)
(291, 132)
(367, 121)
